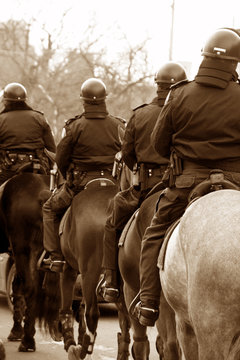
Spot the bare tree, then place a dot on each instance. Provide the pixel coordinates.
(53, 78)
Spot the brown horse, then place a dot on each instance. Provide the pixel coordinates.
(130, 243)
(201, 277)
(21, 223)
(82, 246)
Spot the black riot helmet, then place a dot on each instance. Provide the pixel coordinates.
(223, 44)
(14, 92)
(93, 90)
(170, 73)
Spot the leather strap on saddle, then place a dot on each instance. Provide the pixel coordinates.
(216, 181)
(126, 228)
(167, 236)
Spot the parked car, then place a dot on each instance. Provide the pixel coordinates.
(7, 271)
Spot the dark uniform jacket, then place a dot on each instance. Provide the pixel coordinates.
(202, 123)
(137, 147)
(91, 140)
(25, 129)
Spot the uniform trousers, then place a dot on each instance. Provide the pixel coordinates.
(171, 207)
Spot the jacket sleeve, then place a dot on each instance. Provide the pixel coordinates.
(48, 138)
(128, 146)
(64, 152)
(161, 136)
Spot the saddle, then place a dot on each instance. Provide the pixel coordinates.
(99, 182)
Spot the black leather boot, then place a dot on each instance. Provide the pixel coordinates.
(108, 288)
(147, 313)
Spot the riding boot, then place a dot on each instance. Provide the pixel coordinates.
(51, 240)
(110, 286)
(66, 321)
(148, 308)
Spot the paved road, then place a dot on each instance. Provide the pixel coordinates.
(47, 349)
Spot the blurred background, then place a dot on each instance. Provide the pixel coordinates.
(52, 46)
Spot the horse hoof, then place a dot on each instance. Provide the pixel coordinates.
(74, 352)
(15, 335)
(2, 351)
(56, 332)
(24, 347)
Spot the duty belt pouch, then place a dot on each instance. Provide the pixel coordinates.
(143, 177)
(135, 175)
(78, 177)
(117, 166)
(166, 176)
(10, 159)
(69, 175)
(174, 169)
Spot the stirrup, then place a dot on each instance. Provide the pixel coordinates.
(99, 289)
(40, 261)
(132, 306)
(147, 316)
(109, 294)
(52, 265)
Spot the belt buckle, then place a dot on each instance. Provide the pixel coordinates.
(22, 157)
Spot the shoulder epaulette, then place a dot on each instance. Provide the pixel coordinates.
(139, 107)
(179, 83)
(69, 121)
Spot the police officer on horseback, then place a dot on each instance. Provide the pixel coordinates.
(148, 168)
(199, 129)
(24, 135)
(86, 152)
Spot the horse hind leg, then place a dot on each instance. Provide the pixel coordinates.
(167, 343)
(140, 348)
(123, 337)
(66, 319)
(27, 341)
(16, 332)
(92, 315)
(187, 340)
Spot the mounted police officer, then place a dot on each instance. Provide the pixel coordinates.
(86, 152)
(24, 135)
(199, 129)
(148, 168)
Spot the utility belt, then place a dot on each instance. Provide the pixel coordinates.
(142, 172)
(177, 166)
(12, 157)
(76, 174)
(231, 166)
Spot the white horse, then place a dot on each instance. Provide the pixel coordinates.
(201, 277)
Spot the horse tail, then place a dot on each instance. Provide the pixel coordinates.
(47, 293)
(234, 352)
(48, 301)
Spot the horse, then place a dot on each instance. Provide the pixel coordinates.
(21, 223)
(81, 236)
(129, 244)
(200, 277)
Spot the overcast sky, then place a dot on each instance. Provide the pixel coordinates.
(194, 21)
